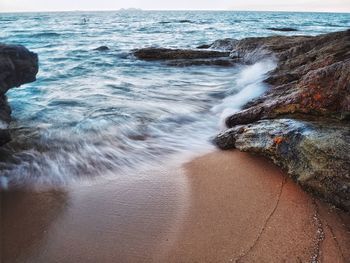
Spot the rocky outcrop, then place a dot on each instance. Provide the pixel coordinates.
(171, 54)
(302, 121)
(17, 66)
(186, 57)
(315, 153)
(312, 77)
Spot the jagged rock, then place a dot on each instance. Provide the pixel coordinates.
(312, 78)
(171, 54)
(17, 66)
(315, 153)
(311, 87)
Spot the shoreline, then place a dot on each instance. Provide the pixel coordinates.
(212, 209)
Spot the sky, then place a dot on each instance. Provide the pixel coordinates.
(259, 5)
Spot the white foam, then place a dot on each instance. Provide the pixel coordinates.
(3, 125)
(3, 182)
(249, 85)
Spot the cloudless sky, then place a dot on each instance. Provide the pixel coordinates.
(273, 5)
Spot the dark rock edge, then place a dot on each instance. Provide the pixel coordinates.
(18, 66)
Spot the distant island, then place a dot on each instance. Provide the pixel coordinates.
(130, 9)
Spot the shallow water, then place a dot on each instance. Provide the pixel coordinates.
(90, 113)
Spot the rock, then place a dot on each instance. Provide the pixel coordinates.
(5, 111)
(282, 29)
(102, 48)
(315, 153)
(203, 62)
(171, 54)
(17, 66)
(312, 78)
(185, 21)
(187, 57)
(302, 121)
(5, 136)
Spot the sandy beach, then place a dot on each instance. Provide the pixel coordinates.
(221, 207)
(245, 209)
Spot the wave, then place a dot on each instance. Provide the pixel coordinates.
(249, 85)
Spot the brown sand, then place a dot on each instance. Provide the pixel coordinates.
(244, 209)
(240, 208)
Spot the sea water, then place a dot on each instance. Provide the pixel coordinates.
(92, 112)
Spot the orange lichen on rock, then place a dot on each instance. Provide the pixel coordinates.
(278, 140)
(317, 96)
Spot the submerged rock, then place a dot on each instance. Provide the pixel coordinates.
(282, 29)
(102, 48)
(302, 121)
(185, 21)
(17, 66)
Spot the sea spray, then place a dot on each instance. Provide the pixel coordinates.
(249, 85)
(3, 183)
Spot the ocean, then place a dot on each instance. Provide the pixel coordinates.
(91, 113)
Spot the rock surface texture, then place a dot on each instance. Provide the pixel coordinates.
(302, 121)
(17, 66)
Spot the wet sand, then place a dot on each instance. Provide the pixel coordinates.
(125, 219)
(222, 207)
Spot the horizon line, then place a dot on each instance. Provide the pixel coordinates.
(179, 10)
